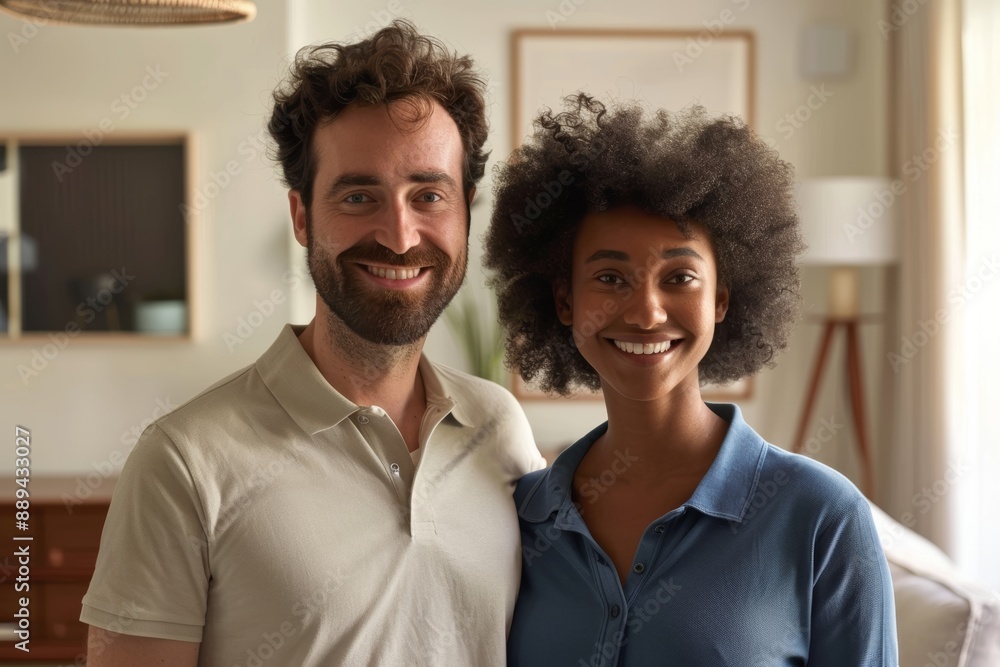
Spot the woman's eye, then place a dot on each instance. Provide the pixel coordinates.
(681, 279)
(609, 279)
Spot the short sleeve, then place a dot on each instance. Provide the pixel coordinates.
(152, 571)
(518, 438)
(853, 612)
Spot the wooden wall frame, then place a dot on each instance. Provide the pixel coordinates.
(193, 225)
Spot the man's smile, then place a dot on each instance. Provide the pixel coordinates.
(394, 273)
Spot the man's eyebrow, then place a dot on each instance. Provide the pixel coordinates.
(623, 256)
(433, 177)
(347, 181)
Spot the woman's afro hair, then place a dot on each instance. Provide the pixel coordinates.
(683, 167)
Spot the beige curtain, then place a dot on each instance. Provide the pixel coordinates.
(979, 531)
(920, 469)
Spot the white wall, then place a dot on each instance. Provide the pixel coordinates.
(215, 84)
(219, 83)
(844, 136)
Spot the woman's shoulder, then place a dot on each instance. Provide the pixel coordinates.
(809, 486)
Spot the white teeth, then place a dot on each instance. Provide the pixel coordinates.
(640, 348)
(393, 274)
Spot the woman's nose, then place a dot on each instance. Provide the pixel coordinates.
(645, 307)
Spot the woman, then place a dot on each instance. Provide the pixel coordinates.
(645, 257)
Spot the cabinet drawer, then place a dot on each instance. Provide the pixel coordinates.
(61, 539)
(54, 609)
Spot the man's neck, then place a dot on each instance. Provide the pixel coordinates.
(367, 373)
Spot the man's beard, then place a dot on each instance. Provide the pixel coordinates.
(379, 315)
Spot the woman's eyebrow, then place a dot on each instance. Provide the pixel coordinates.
(683, 251)
(669, 253)
(607, 254)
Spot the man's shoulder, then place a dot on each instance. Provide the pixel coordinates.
(493, 409)
(472, 391)
(233, 393)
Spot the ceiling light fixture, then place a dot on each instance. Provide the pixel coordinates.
(133, 12)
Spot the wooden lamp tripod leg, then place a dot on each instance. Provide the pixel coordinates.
(824, 349)
(858, 407)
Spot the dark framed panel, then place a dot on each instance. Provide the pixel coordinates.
(103, 245)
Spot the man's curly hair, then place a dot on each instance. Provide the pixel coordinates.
(685, 167)
(396, 63)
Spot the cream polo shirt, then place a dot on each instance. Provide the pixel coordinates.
(278, 523)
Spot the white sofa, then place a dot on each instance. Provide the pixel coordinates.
(943, 620)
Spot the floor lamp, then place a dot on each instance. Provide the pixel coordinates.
(848, 223)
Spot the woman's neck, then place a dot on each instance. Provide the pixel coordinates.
(676, 435)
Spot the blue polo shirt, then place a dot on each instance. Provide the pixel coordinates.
(774, 560)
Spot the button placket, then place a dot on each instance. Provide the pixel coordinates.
(379, 431)
(607, 578)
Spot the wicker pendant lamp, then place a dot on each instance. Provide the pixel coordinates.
(133, 12)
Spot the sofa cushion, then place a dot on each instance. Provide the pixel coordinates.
(943, 620)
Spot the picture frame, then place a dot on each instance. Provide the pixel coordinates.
(664, 69)
(668, 69)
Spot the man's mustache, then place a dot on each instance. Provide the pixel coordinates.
(375, 253)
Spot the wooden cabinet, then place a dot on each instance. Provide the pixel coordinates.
(65, 523)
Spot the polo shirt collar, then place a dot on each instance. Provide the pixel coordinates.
(441, 392)
(303, 392)
(725, 491)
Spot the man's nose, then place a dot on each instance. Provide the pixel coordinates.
(645, 307)
(397, 229)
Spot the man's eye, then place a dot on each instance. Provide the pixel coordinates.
(430, 197)
(356, 198)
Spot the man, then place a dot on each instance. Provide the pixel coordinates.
(342, 501)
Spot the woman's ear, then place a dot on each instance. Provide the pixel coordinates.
(564, 302)
(721, 303)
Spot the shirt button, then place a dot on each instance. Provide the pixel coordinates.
(615, 611)
(660, 529)
(638, 568)
(363, 419)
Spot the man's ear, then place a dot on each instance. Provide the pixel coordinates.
(564, 302)
(721, 303)
(298, 211)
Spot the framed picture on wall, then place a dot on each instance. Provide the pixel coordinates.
(662, 69)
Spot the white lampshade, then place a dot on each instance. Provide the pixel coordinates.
(849, 221)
